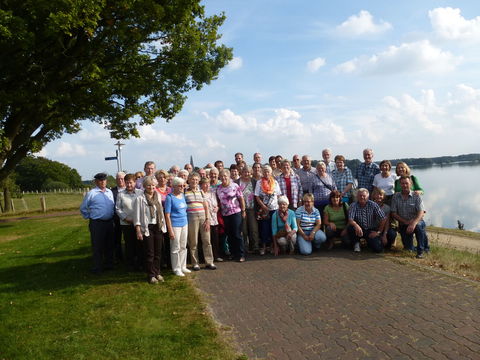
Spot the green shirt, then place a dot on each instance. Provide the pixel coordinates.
(337, 216)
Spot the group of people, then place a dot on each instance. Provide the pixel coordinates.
(280, 207)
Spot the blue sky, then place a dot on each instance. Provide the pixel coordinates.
(403, 80)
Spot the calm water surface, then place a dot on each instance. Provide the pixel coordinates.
(451, 193)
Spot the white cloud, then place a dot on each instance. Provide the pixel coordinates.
(66, 149)
(315, 64)
(42, 153)
(235, 64)
(285, 122)
(228, 120)
(333, 132)
(420, 56)
(149, 133)
(362, 24)
(449, 24)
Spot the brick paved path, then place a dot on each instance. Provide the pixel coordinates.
(340, 305)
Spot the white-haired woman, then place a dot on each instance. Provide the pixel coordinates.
(177, 225)
(284, 227)
(198, 223)
(232, 207)
(149, 224)
(266, 194)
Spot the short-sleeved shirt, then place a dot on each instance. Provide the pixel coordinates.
(177, 208)
(366, 217)
(409, 207)
(365, 174)
(386, 184)
(337, 216)
(228, 196)
(307, 219)
(342, 178)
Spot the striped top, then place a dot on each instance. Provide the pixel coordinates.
(307, 220)
(194, 199)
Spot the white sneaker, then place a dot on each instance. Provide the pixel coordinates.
(160, 278)
(186, 271)
(356, 247)
(179, 273)
(153, 280)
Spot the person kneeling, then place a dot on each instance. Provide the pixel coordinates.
(284, 227)
(309, 223)
(363, 218)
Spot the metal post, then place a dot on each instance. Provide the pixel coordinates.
(119, 155)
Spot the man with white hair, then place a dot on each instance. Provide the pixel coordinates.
(257, 158)
(306, 173)
(366, 171)
(327, 156)
(364, 216)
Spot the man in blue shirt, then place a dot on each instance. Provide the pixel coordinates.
(366, 171)
(98, 207)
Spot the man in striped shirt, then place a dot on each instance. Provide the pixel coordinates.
(363, 218)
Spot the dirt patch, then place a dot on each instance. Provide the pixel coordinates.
(454, 241)
(5, 239)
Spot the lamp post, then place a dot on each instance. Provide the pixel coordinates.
(119, 155)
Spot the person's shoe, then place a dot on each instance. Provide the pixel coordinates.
(196, 268)
(179, 273)
(420, 256)
(153, 280)
(356, 247)
(160, 278)
(186, 271)
(210, 267)
(242, 259)
(262, 252)
(219, 260)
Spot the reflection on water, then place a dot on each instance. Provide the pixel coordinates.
(451, 194)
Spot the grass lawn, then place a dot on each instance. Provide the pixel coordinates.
(30, 203)
(52, 308)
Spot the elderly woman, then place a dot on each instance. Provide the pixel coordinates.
(198, 223)
(290, 185)
(177, 225)
(284, 227)
(149, 224)
(388, 234)
(124, 210)
(232, 207)
(321, 187)
(183, 174)
(163, 190)
(250, 223)
(385, 180)
(343, 178)
(309, 223)
(402, 169)
(335, 219)
(211, 199)
(234, 172)
(266, 193)
(213, 175)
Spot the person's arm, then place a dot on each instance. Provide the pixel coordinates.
(274, 232)
(414, 221)
(137, 213)
(352, 222)
(416, 187)
(84, 209)
(292, 221)
(119, 208)
(206, 224)
(327, 222)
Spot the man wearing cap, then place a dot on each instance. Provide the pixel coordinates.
(98, 207)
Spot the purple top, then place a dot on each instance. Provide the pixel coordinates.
(228, 197)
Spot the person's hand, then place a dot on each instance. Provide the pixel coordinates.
(139, 236)
(384, 239)
(128, 220)
(332, 226)
(206, 225)
(244, 214)
(411, 228)
(358, 230)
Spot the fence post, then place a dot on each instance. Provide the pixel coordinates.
(24, 204)
(12, 205)
(43, 204)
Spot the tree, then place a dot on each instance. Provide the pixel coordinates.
(119, 63)
(39, 173)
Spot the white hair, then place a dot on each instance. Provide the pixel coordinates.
(178, 181)
(282, 199)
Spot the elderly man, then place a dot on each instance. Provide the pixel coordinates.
(98, 206)
(238, 158)
(327, 159)
(257, 158)
(189, 168)
(366, 171)
(408, 209)
(306, 173)
(366, 220)
(296, 163)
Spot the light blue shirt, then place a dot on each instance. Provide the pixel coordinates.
(98, 205)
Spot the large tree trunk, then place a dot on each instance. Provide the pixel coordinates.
(7, 200)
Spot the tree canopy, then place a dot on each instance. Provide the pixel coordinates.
(39, 173)
(119, 63)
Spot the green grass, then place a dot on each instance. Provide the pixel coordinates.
(30, 203)
(463, 233)
(51, 307)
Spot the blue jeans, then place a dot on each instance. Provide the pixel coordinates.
(266, 230)
(374, 243)
(305, 247)
(233, 228)
(420, 234)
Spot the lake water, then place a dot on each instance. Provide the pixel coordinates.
(451, 194)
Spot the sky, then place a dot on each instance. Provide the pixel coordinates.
(402, 79)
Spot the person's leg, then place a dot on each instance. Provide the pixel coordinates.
(157, 250)
(175, 250)
(391, 236)
(319, 239)
(148, 247)
(420, 235)
(117, 239)
(214, 241)
(129, 238)
(304, 246)
(206, 245)
(193, 231)
(253, 236)
(292, 240)
(352, 236)
(233, 228)
(183, 247)
(374, 243)
(95, 238)
(407, 239)
(108, 244)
